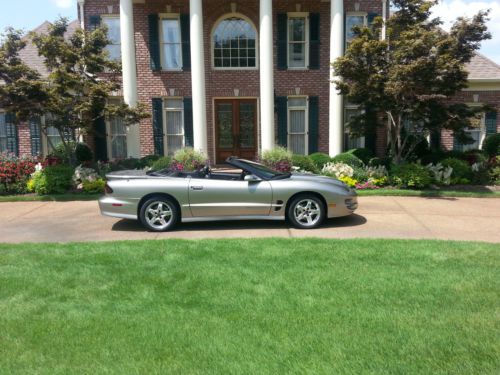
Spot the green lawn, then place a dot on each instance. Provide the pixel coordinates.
(263, 306)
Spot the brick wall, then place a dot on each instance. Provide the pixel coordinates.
(223, 83)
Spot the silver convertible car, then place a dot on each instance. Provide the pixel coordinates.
(161, 199)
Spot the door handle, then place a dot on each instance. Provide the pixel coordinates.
(196, 187)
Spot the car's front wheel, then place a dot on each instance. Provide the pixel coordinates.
(159, 214)
(306, 212)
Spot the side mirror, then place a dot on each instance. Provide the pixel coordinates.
(252, 178)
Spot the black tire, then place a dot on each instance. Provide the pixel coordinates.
(312, 215)
(161, 210)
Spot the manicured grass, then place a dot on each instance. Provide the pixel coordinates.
(263, 306)
(429, 193)
(47, 198)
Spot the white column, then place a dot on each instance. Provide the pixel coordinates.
(384, 18)
(336, 125)
(266, 75)
(198, 77)
(129, 71)
(81, 8)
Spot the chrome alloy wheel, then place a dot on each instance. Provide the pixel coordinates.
(159, 215)
(307, 212)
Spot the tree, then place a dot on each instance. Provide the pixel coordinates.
(410, 76)
(78, 87)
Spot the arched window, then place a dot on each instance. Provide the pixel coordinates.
(234, 44)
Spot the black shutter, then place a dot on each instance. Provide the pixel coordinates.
(282, 20)
(457, 145)
(154, 42)
(371, 130)
(188, 122)
(12, 135)
(282, 110)
(35, 136)
(313, 124)
(491, 123)
(314, 41)
(94, 22)
(435, 139)
(186, 40)
(158, 126)
(100, 139)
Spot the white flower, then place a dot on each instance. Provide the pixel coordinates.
(338, 170)
(377, 172)
(38, 167)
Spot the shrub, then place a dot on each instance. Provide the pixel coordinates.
(440, 174)
(83, 153)
(410, 176)
(320, 159)
(149, 160)
(188, 159)
(364, 154)
(337, 170)
(461, 173)
(94, 187)
(304, 163)
(124, 164)
(161, 163)
(349, 181)
(15, 173)
(491, 145)
(278, 158)
(360, 174)
(82, 175)
(349, 159)
(53, 180)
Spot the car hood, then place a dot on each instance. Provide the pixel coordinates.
(321, 179)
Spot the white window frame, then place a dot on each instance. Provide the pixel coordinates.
(45, 137)
(305, 16)
(169, 16)
(212, 44)
(362, 139)
(113, 16)
(109, 133)
(481, 130)
(289, 117)
(165, 133)
(354, 14)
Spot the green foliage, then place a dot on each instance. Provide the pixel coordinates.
(397, 75)
(320, 159)
(364, 154)
(83, 153)
(491, 145)
(149, 160)
(162, 163)
(53, 180)
(188, 159)
(278, 158)
(462, 172)
(349, 159)
(360, 174)
(410, 175)
(304, 163)
(94, 187)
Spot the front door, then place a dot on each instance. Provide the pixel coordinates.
(235, 128)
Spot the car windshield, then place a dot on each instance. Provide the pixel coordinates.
(266, 172)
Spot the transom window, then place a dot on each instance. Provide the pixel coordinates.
(114, 47)
(171, 43)
(297, 125)
(174, 125)
(234, 43)
(355, 19)
(297, 42)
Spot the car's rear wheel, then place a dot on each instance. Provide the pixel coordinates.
(306, 212)
(159, 214)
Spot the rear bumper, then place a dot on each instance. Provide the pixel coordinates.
(116, 207)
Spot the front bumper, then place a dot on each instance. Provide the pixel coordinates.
(343, 206)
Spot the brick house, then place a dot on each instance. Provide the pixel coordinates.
(237, 77)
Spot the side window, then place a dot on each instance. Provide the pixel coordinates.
(171, 43)
(351, 20)
(114, 48)
(298, 42)
(173, 125)
(350, 142)
(298, 125)
(477, 131)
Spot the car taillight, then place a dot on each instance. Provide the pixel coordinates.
(108, 189)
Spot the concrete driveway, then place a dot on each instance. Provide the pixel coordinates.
(377, 217)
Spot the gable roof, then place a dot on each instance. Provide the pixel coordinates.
(483, 69)
(29, 54)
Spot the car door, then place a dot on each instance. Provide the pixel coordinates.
(209, 198)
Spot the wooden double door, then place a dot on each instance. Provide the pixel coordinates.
(235, 128)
